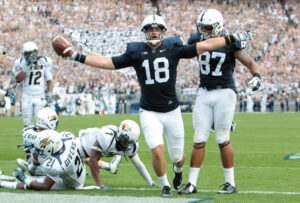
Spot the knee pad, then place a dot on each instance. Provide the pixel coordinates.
(176, 154)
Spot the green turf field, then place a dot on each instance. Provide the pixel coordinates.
(260, 142)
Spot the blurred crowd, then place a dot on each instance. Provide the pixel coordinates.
(103, 27)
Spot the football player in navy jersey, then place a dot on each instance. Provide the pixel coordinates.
(216, 98)
(155, 62)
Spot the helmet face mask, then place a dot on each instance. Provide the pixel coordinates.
(124, 143)
(127, 136)
(47, 119)
(149, 24)
(30, 52)
(210, 23)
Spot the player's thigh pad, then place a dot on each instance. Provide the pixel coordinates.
(152, 128)
(202, 116)
(27, 110)
(223, 114)
(174, 133)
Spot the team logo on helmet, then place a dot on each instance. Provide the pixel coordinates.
(44, 142)
(125, 127)
(53, 118)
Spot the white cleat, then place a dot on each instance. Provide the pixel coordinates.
(114, 164)
(23, 164)
(4, 177)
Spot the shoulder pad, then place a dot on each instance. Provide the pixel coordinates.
(45, 60)
(110, 130)
(170, 42)
(194, 38)
(29, 128)
(134, 48)
(66, 134)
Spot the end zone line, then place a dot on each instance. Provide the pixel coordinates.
(214, 191)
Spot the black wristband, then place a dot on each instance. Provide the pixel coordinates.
(80, 58)
(256, 75)
(229, 39)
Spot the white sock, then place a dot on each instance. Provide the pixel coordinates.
(163, 180)
(229, 175)
(193, 175)
(9, 185)
(105, 166)
(177, 169)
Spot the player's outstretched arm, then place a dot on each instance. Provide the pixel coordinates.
(64, 49)
(219, 42)
(139, 165)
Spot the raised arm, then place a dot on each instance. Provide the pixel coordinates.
(219, 42)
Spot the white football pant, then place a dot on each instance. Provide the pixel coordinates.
(215, 106)
(31, 105)
(154, 124)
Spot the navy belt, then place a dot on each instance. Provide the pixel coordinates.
(218, 87)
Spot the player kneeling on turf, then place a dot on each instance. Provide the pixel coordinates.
(109, 141)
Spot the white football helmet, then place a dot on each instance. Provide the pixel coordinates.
(154, 21)
(47, 118)
(128, 134)
(48, 143)
(30, 51)
(210, 17)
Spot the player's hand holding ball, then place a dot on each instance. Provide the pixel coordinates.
(63, 47)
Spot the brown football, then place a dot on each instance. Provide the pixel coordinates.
(61, 46)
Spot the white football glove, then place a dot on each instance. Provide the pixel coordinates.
(243, 36)
(254, 83)
(73, 56)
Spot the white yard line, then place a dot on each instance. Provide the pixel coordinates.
(214, 191)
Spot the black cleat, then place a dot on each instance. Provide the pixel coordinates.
(166, 191)
(189, 189)
(227, 189)
(177, 180)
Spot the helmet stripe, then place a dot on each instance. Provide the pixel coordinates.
(203, 15)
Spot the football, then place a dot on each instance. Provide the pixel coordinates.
(61, 46)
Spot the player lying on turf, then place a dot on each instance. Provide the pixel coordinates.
(47, 119)
(112, 140)
(62, 163)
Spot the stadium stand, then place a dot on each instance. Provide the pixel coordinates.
(104, 27)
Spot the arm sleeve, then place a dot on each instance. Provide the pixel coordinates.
(188, 51)
(139, 165)
(124, 60)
